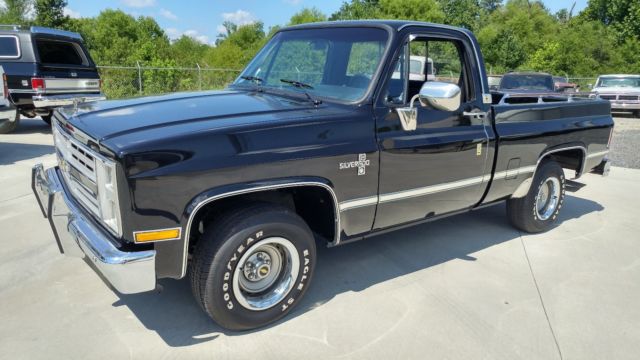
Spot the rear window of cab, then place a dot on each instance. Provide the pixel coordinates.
(60, 52)
(9, 48)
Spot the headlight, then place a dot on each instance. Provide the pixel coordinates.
(108, 194)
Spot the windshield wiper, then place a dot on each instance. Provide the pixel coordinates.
(252, 78)
(297, 84)
(302, 85)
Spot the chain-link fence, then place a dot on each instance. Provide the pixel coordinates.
(126, 81)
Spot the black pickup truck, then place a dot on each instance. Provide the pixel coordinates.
(45, 68)
(320, 139)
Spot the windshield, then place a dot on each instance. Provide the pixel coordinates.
(527, 82)
(618, 82)
(337, 63)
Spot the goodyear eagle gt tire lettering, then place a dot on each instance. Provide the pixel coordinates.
(252, 266)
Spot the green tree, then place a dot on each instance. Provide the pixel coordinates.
(418, 10)
(462, 13)
(50, 13)
(490, 6)
(622, 15)
(514, 31)
(15, 12)
(307, 15)
(357, 9)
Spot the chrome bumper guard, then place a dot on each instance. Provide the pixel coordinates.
(49, 101)
(78, 236)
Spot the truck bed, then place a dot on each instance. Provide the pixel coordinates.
(532, 125)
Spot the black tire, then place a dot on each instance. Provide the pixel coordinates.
(221, 248)
(47, 118)
(525, 214)
(8, 126)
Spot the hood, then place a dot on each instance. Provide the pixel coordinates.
(118, 123)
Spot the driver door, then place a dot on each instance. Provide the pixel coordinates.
(440, 166)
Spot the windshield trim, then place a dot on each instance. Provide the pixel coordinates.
(621, 77)
(375, 78)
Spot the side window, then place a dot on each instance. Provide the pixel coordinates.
(430, 60)
(9, 48)
(307, 69)
(396, 86)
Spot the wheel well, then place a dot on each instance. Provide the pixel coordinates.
(314, 204)
(568, 159)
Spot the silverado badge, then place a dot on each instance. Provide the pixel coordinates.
(361, 164)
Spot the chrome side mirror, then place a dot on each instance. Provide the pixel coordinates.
(437, 95)
(440, 96)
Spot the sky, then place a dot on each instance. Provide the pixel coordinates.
(202, 19)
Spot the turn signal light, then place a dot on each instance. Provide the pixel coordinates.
(159, 235)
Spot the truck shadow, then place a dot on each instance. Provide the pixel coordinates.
(175, 316)
(14, 152)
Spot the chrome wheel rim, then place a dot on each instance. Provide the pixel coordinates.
(266, 273)
(548, 198)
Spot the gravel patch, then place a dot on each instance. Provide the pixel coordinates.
(625, 144)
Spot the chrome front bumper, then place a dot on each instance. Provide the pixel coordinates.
(51, 101)
(623, 106)
(78, 235)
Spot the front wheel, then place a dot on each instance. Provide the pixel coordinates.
(252, 266)
(538, 210)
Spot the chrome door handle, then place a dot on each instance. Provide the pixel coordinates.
(480, 115)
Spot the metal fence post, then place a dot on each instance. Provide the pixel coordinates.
(199, 77)
(139, 77)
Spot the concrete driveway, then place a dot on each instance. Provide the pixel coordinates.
(467, 287)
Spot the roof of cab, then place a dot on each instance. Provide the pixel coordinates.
(39, 30)
(396, 25)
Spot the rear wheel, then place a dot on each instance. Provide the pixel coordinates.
(538, 210)
(7, 125)
(252, 266)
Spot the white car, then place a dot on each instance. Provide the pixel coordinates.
(417, 69)
(623, 91)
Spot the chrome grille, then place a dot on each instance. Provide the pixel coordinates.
(608, 97)
(628, 97)
(78, 166)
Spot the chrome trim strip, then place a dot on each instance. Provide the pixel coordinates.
(503, 175)
(405, 194)
(596, 154)
(358, 203)
(204, 202)
(157, 230)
